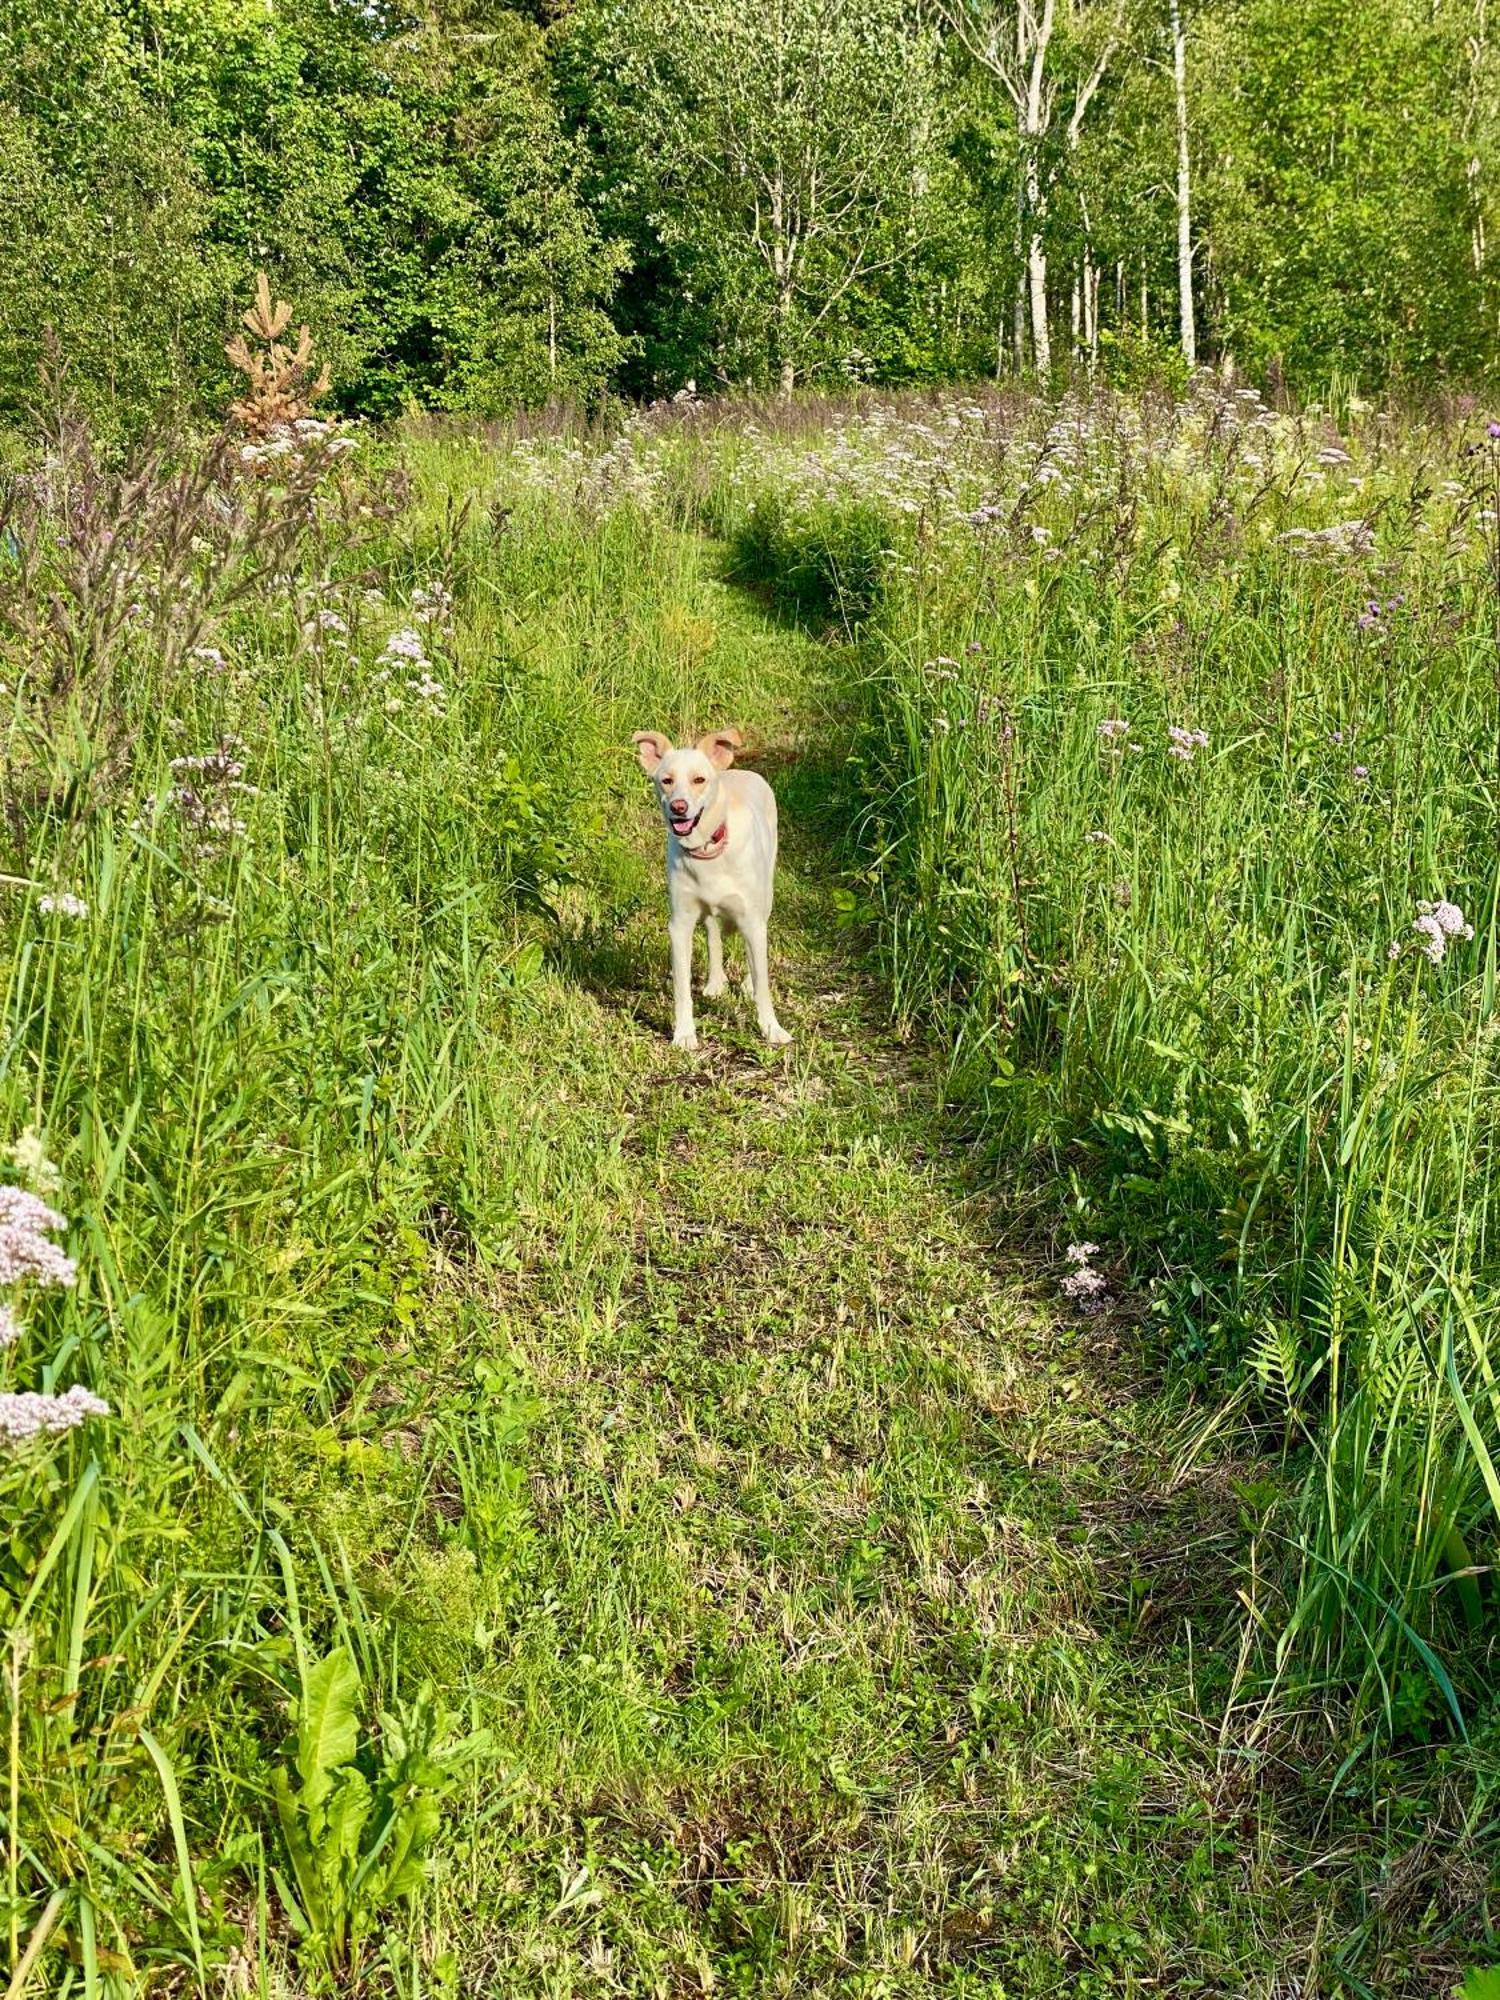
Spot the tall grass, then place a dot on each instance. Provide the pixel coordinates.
(305, 872)
(1180, 715)
(270, 1072)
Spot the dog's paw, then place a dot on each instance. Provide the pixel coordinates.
(776, 1035)
(716, 989)
(685, 1038)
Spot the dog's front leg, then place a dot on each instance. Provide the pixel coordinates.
(684, 1034)
(758, 953)
(717, 983)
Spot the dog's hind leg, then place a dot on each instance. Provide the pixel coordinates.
(717, 983)
(758, 953)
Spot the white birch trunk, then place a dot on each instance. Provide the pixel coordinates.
(1036, 293)
(1186, 320)
(1035, 114)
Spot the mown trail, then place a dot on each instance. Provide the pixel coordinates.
(862, 1641)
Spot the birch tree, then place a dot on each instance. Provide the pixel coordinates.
(1186, 318)
(1050, 80)
(794, 129)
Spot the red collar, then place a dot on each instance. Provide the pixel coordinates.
(713, 847)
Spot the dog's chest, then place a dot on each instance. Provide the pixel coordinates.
(716, 888)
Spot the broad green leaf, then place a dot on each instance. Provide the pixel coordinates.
(327, 1724)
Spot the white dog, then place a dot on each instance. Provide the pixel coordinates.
(721, 865)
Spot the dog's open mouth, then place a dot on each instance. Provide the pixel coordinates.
(683, 827)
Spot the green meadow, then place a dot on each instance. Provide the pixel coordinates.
(997, 1499)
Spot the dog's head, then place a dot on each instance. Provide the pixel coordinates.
(687, 781)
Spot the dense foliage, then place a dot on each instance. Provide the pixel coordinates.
(488, 206)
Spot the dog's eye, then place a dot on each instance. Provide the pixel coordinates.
(699, 781)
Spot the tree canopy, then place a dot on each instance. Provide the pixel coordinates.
(485, 206)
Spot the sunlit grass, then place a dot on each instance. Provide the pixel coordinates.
(791, 1595)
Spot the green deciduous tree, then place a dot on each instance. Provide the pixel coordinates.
(105, 223)
(780, 150)
(1345, 189)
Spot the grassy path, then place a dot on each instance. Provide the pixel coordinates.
(862, 1641)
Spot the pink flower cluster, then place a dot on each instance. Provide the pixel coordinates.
(1083, 1286)
(1437, 924)
(27, 1226)
(28, 1254)
(26, 1413)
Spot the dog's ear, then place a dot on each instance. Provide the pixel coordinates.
(650, 746)
(719, 746)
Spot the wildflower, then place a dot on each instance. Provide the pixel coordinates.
(432, 604)
(28, 1156)
(1437, 925)
(25, 1414)
(1186, 743)
(1492, 429)
(206, 807)
(27, 1225)
(1342, 538)
(63, 904)
(324, 621)
(407, 645)
(1085, 1287)
(1113, 727)
(209, 656)
(1449, 919)
(1360, 773)
(10, 1327)
(1097, 838)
